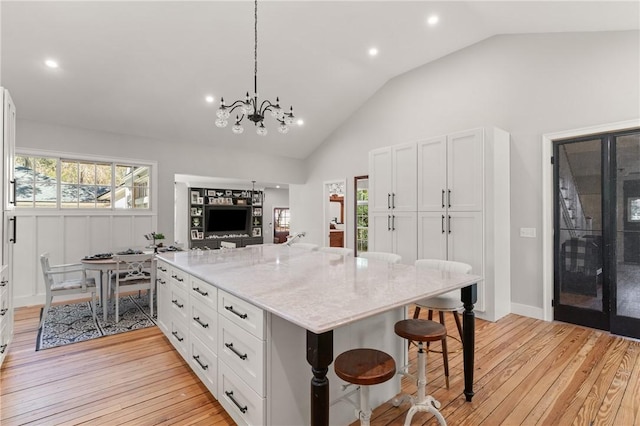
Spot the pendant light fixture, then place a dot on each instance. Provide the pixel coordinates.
(250, 106)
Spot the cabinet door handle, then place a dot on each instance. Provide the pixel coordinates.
(13, 191)
(2, 348)
(203, 366)
(388, 222)
(449, 199)
(175, 302)
(177, 278)
(162, 269)
(393, 200)
(197, 290)
(175, 334)
(388, 200)
(161, 281)
(235, 351)
(202, 324)
(14, 238)
(442, 222)
(3, 312)
(233, 311)
(449, 224)
(393, 222)
(3, 283)
(240, 407)
(442, 198)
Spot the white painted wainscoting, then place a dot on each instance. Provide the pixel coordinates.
(68, 237)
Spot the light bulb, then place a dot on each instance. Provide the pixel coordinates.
(261, 130)
(237, 128)
(222, 113)
(283, 128)
(220, 122)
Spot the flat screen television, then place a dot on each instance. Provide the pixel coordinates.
(228, 219)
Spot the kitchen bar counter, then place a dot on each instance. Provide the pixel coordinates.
(321, 292)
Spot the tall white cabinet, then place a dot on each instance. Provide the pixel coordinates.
(462, 210)
(393, 200)
(8, 221)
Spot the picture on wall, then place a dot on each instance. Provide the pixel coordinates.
(257, 199)
(195, 235)
(196, 222)
(195, 195)
(257, 232)
(257, 212)
(196, 211)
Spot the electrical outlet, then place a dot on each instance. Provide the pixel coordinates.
(528, 232)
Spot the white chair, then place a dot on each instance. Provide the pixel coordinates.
(133, 272)
(343, 251)
(448, 302)
(62, 280)
(377, 255)
(306, 246)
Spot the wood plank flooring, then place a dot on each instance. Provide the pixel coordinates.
(527, 372)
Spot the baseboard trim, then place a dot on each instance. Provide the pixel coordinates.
(527, 311)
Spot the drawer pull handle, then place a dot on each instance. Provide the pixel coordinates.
(240, 407)
(175, 333)
(3, 311)
(197, 319)
(175, 302)
(161, 281)
(4, 347)
(197, 358)
(162, 269)
(3, 283)
(232, 349)
(203, 293)
(177, 278)
(230, 309)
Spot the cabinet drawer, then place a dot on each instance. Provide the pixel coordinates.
(244, 353)
(203, 321)
(204, 292)
(205, 364)
(239, 400)
(179, 337)
(164, 305)
(244, 314)
(179, 303)
(179, 277)
(163, 268)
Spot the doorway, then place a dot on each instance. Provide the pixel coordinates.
(281, 228)
(597, 231)
(361, 209)
(334, 213)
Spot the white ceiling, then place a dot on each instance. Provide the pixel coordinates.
(143, 68)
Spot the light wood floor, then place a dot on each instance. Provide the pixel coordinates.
(527, 372)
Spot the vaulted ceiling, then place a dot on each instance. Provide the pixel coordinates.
(144, 67)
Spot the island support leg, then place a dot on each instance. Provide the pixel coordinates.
(319, 356)
(469, 298)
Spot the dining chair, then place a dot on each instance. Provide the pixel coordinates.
(63, 280)
(337, 250)
(448, 302)
(306, 246)
(378, 255)
(133, 272)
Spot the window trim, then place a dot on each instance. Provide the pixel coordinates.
(61, 155)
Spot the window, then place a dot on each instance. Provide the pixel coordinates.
(362, 213)
(50, 182)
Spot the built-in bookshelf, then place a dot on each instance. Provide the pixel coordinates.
(230, 215)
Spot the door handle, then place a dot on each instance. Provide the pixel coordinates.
(388, 222)
(442, 198)
(14, 238)
(388, 200)
(442, 222)
(449, 224)
(449, 198)
(393, 222)
(393, 200)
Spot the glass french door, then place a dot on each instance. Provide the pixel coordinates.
(597, 232)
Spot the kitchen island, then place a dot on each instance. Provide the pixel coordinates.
(274, 305)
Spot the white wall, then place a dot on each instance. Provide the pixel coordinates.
(526, 84)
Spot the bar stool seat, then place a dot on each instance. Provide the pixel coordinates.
(364, 367)
(422, 331)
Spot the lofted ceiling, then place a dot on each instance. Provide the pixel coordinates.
(144, 68)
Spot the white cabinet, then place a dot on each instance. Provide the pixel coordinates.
(393, 200)
(464, 209)
(7, 195)
(162, 293)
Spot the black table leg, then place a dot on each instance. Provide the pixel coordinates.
(469, 298)
(319, 356)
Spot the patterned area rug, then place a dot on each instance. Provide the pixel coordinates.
(72, 323)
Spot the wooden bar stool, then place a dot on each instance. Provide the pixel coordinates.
(364, 367)
(421, 331)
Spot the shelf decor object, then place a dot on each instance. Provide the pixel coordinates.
(250, 107)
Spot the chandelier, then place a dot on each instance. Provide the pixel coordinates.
(249, 106)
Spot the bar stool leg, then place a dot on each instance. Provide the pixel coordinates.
(365, 409)
(424, 403)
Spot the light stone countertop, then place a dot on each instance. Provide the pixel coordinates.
(315, 290)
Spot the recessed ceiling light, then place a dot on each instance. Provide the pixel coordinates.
(277, 186)
(433, 19)
(300, 122)
(209, 99)
(373, 51)
(51, 63)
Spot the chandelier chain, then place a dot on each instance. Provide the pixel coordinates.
(255, 48)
